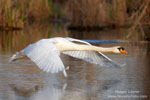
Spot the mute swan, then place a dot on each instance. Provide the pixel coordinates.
(45, 53)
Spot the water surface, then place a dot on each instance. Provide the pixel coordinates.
(23, 80)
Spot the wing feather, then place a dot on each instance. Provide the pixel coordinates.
(45, 55)
(93, 57)
(77, 41)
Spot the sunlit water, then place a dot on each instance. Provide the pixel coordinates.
(23, 80)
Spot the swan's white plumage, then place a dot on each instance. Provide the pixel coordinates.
(77, 41)
(90, 56)
(45, 55)
(93, 57)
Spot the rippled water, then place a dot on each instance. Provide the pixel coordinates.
(23, 80)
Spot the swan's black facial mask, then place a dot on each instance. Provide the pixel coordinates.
(122, 50)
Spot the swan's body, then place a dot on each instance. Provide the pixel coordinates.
(45, 53)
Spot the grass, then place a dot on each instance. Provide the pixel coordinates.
(86, 14)
(96, 12)
(14, 13)
(101, 14)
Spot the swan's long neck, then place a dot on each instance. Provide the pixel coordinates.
(102, 49)
(72, 47)
(94, 48)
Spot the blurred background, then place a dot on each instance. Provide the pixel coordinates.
(23, 22)
(21, 18)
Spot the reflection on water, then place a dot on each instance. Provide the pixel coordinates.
(23, 80)
(16, 40)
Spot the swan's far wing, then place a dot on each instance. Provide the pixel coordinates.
(93, 57)
(77, 41)
(45, 55)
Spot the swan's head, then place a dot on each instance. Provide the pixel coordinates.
(119, 49)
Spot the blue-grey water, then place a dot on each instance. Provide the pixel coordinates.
(23, 80)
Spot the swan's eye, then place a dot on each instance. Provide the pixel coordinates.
(122, 50)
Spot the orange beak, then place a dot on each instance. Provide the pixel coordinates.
(123, 51)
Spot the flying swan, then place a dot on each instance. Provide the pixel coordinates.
(45, 53)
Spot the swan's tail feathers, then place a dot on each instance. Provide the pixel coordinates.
(16, 56)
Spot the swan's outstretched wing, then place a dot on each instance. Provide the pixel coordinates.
(45, 55)
(93, 57)
(77, 41)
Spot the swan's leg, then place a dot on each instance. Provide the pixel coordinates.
(67, 68)
(64, 71)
